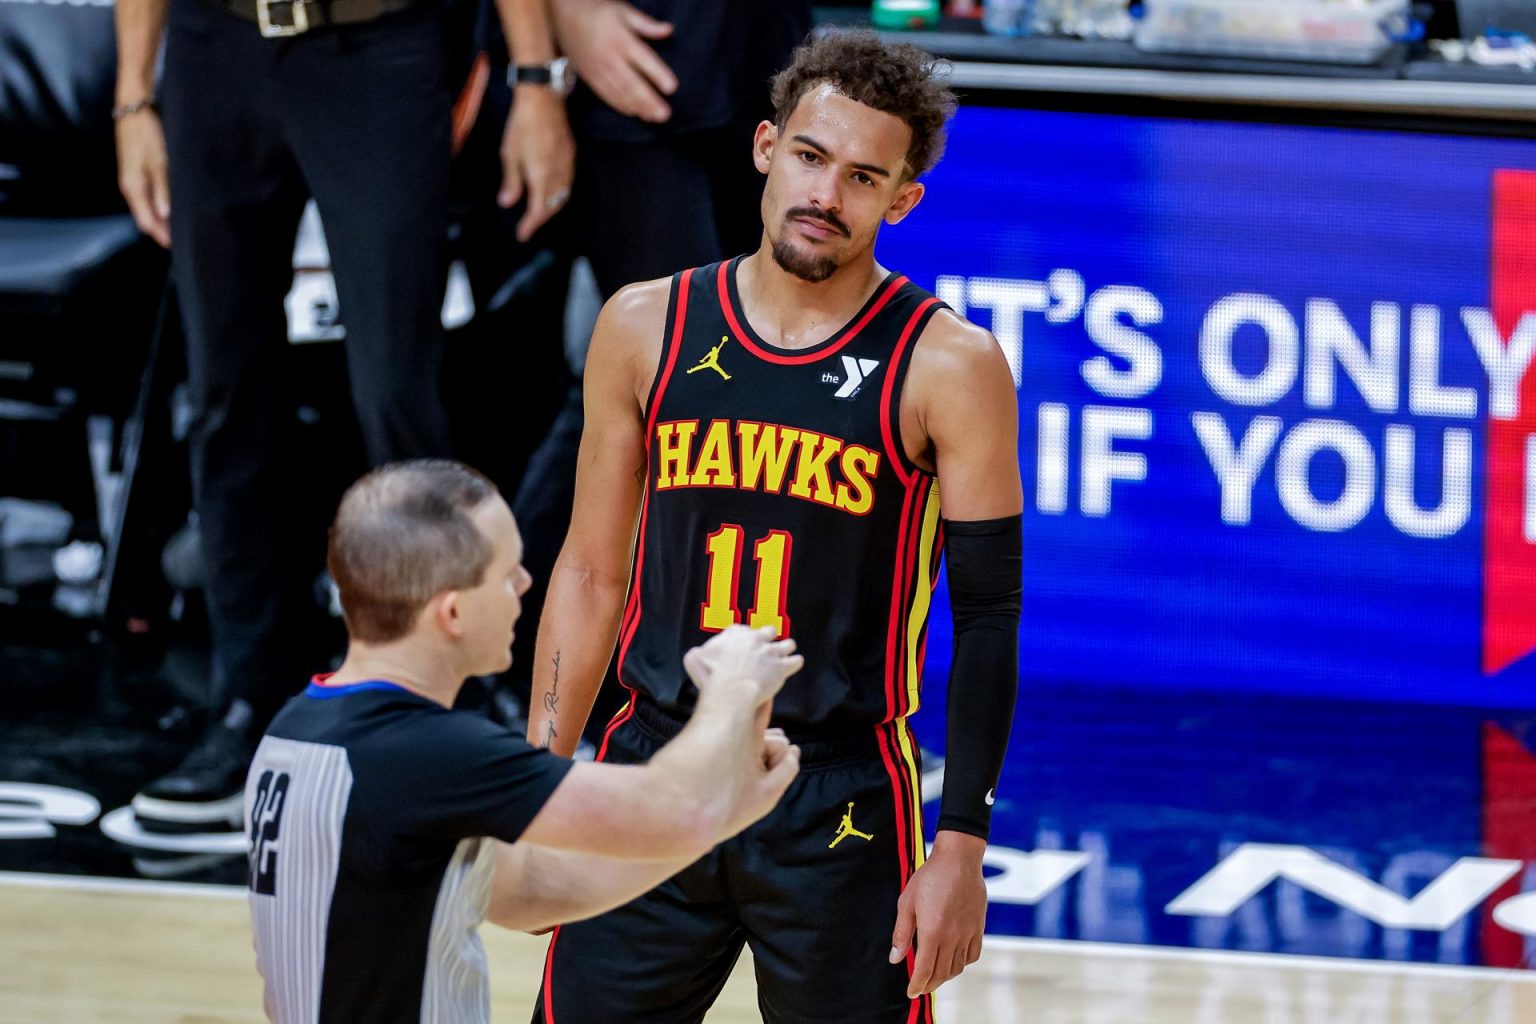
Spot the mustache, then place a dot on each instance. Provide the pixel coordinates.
(811, 213)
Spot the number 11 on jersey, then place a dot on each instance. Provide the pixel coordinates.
(772, 553)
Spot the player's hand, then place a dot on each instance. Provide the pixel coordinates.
(740, 654)
(538, 157)
(142, 173)
(945, 908)
(778, 762)
(606, 41)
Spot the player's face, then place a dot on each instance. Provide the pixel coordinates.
(492, 608)
(836, 172)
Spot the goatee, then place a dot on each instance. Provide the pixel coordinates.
(810, 268)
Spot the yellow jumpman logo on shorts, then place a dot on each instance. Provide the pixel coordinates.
(846, 829)
(712, 361)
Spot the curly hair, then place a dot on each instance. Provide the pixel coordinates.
(896, 78)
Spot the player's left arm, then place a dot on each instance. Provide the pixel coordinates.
(960, 404)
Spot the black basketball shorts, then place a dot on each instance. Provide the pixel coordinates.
(812, 889)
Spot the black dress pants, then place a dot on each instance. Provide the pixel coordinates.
(359, 118)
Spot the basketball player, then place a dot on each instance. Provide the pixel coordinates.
(385, 827)
(778, 428)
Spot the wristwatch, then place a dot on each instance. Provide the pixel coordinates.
(556, 74)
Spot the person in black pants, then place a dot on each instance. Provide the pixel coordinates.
(266, 103)
(669, 93)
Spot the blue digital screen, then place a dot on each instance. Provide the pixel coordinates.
(1261, 369)
(1278, 448)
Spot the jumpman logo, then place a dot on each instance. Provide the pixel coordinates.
(712, 361)
(846, 829)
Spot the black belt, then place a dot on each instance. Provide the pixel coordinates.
(278, 18)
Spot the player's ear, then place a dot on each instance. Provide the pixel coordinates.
(762, 145)
(908, 195)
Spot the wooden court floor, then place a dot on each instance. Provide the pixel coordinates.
(79, 950)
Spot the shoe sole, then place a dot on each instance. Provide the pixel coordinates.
(228, 811)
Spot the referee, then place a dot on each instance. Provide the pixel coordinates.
(260, 105)
(384, 826)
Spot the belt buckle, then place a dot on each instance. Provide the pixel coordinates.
(298, 19)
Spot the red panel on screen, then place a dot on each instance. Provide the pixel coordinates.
(1509, 558)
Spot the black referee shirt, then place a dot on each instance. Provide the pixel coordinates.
(368, 810)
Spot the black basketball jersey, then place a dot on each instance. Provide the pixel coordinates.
(778, 493)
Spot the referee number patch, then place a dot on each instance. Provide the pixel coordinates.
(266, 821)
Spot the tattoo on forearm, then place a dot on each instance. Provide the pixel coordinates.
(552, 698)
(552, 704)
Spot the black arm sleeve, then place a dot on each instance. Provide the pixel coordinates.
(986, 564)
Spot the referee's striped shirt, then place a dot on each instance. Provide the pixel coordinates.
(369, 812)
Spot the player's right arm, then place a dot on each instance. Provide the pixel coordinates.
(585, 600)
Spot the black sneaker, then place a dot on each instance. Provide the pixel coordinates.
(205, 793)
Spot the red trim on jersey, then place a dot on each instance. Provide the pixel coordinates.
(898, 588)
(819, 351)
(549, 972)
(894, 452)
(933, 585)
(625, 714)
(632, 612)
(903, 800)
(904, 591)
(886, 740)
(909, 591)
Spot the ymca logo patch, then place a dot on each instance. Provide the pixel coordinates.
(855, 373)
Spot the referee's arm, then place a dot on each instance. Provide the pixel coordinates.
(644, 822)
(536, 887)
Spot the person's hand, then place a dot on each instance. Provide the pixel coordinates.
(742, 655)
(778, 762)
(945, 906)
(606, 41)
(538, 157)
(142, 174)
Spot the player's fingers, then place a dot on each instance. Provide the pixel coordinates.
(973, 951)
(957, 962)
(792, 664)
(922, 967)
(783, 647)
(901, 937)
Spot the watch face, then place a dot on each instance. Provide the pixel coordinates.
(561, 78)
